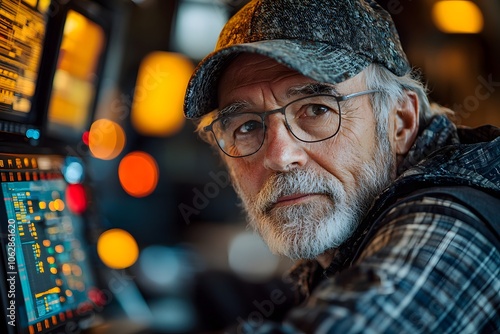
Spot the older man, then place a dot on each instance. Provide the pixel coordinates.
(341, 163)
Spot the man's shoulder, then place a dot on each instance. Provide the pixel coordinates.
(456, 183)
(434, 213)
(469, 167)
(484, 133)
(467, 173)
(472, 206)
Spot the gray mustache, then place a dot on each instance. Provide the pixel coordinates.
(295, 182)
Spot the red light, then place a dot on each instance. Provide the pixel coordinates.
(85, 137)
(98, 297)
(76, 198)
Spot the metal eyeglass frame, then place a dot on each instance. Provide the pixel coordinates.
(281, 110)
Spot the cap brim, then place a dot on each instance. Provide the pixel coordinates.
(319, 61)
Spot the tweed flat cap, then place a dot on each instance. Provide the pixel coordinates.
(326, 40)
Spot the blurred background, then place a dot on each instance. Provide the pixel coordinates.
(176, 201)
(171, 241)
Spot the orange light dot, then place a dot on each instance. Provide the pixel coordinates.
(117, 248)
(66, 269)
(138, 174)
(106, 139)
(59, 204)
(59, 249)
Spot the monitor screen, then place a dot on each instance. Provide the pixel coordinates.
(76, 78)
(22, 33)
(46, 262)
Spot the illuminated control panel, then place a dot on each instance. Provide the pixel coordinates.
(48, 238)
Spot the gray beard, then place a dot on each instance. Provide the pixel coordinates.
(304, 231)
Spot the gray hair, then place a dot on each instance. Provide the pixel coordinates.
(393, 91)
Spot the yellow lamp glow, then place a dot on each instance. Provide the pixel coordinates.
(138, 174)
(157, 108)
(457, 16)
(117, 248)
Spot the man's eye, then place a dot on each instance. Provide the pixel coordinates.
(313, 110)
(249, 126)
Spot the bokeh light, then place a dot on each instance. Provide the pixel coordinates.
(56, 205)
(73, 170)
(76, 198)
(85, 137)
(161, 268)
(157, 108)
(250, 258)
(117, 248)
(138, 174)
(202, 22)
(106, 139)
(457, 16)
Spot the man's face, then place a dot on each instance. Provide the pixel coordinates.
(304, 198)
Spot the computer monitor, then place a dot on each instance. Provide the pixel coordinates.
(51, 65)
(46, 267)
(22, 38)
(78, 73)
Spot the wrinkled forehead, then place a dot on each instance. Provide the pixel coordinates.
(250, 72)
(250, 69)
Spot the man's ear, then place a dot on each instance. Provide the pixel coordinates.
(406, 123)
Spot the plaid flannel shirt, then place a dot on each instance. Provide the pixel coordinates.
(416, 264)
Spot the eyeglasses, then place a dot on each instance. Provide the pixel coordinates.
(310, 119)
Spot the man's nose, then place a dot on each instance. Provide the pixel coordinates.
(283, 151)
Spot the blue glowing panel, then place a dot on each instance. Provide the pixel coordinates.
(51, 260)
